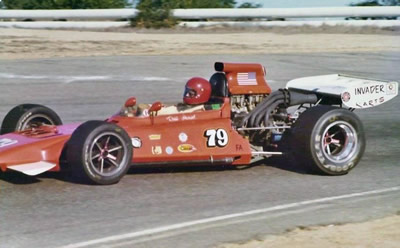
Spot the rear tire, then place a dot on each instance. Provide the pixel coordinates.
(99, 152)
(328, 140)
(26, 116)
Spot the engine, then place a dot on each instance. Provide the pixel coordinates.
(253, 104)
(245, 84)
(258, 114)
(245, 103)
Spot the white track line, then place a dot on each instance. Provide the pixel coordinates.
(153, 231)
(72, 79)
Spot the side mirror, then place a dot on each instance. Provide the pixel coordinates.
(130, 102)
(154, 108)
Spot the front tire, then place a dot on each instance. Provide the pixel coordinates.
(328, 140)
(27, 116)
(99, 152)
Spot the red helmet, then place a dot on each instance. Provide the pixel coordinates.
(197, 91)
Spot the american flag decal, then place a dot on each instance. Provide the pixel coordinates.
(247, 78)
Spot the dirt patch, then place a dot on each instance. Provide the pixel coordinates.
(378, 233)
(25, 43)
(305, 29)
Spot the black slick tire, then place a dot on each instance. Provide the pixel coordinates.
(328, 140)
(99, 152)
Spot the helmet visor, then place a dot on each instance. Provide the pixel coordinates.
(190, 93)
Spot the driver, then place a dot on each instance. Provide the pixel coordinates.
(197, 93)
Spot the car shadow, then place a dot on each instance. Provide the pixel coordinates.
(22, 179)
(18, 178)
(65, 176)
(276, 162)
(286, 164)
(179, 169)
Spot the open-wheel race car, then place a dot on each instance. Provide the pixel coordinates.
(231, 119)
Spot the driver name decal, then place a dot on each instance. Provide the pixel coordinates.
(182, 118)
(188, 117)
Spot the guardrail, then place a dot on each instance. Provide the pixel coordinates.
(247, 24)
(67, 25)
(114, 14)
(329, 23)
(286, 12)
(70, 14)
(100, 18)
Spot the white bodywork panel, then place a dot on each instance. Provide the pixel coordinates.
(33, 169)
(354, 92)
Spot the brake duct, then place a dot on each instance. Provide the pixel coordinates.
(262, 111)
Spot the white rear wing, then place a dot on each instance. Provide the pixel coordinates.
(354, 92)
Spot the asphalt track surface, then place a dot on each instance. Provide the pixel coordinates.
(188, 207)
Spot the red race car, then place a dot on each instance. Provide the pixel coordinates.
(230, 119)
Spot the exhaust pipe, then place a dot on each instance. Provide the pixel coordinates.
(284, 96)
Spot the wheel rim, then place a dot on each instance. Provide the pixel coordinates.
(339, 142)
(107, 154)
(36, 121)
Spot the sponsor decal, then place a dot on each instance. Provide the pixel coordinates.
(156, 150)
(7, 142)
(136, 142)
(183, 137)
(346, 96)
(370, 94)
(169, 150)
(371, 103)
(372, 89)
(216, 137)
(155, 136)
(391, 89)
(239, 148)
(185, 148)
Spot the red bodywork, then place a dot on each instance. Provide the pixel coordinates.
(233, 69)
(204, 137)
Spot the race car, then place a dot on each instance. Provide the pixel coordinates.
(232, 119)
